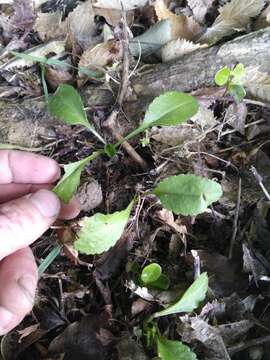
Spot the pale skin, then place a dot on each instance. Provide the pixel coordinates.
(27, 209)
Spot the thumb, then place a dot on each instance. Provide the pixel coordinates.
(24, 220)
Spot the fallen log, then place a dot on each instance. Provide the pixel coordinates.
(26, 122)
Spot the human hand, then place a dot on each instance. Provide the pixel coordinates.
(27, 209)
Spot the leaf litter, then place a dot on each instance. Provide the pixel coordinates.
(95, 307)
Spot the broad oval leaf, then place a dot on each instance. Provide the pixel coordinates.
(162, 283)
(100, 232)
(238, 73)
(169, 109)
(222, 76)
(238, 92)
(68, 184)
(187, 194)
(151, 273)
(174, 350)
(66, 104)
(191, 298)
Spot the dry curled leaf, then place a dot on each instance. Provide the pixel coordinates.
(200, 8)
(174, 135)
(182, 26)
(120, 4)
(81, 26)
(233, 16)
(205, 118)
(257, 83)
(24, 14)
(263, 20)
(101, 55)
(113, 16)
(49, 26)
(177, 48)
(55, 47)
(55, 77)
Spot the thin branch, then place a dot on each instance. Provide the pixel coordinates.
(259, 179)
(110, 124)
(236, 217)
(245, 345)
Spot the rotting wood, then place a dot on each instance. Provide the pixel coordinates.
(26, 121)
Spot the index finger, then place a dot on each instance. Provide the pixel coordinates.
(24, 168)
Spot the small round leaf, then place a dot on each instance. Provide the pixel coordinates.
(151, 273)
(222, 76)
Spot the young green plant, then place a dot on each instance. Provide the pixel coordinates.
(191, 299)
(232, 79)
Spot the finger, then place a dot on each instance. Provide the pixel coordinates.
(14, 191)
(22, 167)
(18, 281)
(70, 210)
(24, 220)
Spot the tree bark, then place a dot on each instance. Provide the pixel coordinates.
(24, 122)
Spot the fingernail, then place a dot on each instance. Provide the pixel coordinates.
(5, 319)
(46, 202)
(28, 286)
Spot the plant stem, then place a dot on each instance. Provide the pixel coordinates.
(97, 135)
(49, 259)
(44, 84)
(110, 124)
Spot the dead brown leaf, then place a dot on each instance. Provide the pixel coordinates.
(200, 8)
(82, 30)
(113, 16)
(235, 116)
(183, 27)
(199, 330)
(58, 76)
(89, 195)
(233, 16)
(24, 14)
(101, 55)
(49, 26)
(177, 48)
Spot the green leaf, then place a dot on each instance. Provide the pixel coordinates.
(151, 273)
(191, 298)
(187, 194)
(238, 92)
(49, 259)
(222, 76)
(27, 57)
(100, 232)
(59, 63)
(110, 150)
(162, 283)
(68, 185)
(66, 104)
(18, 147)
(238, 73)
(169, 109)
(174, 350)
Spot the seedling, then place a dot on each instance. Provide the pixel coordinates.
(183, 194)
(232, 80)
(152, 277)
(191, 299)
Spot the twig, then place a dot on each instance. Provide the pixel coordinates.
(236, 217)
(259, 179)
(125, 68)
(242, 346)
(110, 124)
(111, 120)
